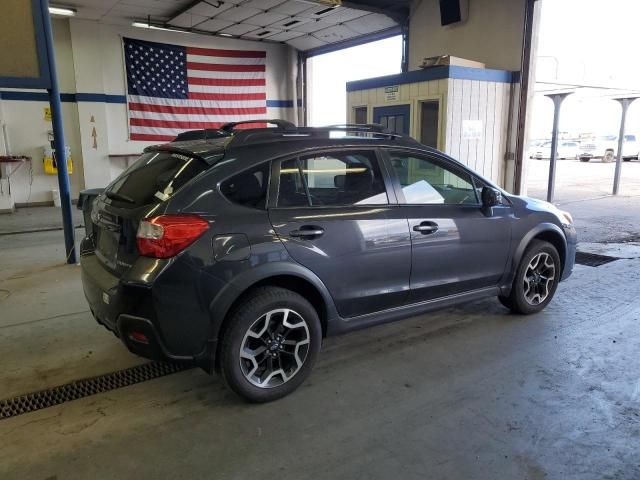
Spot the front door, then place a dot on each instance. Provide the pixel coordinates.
(334, 216)
(394, 117)
(457, 245)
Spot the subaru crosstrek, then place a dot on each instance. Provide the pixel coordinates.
(239, 249)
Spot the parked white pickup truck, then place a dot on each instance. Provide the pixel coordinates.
(605, 147)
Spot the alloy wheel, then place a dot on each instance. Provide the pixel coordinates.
(539, 278)
(274, 348)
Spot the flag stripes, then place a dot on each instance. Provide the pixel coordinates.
(173, 88)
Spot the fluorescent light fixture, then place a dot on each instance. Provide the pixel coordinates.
(154, 27)
(65, 11)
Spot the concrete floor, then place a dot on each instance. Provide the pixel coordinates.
(31, 219)
(470, 392)
(577, 180)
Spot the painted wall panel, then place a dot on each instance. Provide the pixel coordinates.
(492, 34)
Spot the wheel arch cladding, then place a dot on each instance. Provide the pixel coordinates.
(547, 232)
(557, 240)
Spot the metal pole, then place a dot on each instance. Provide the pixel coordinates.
(624, 102)
(557, 98)
(58, 139)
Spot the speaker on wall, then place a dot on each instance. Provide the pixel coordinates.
(453, 11)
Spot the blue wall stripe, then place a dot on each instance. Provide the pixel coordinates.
(435, 73)
(100, 98)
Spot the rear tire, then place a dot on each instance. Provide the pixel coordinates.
(536, 279)
(584, 159)
(271, 344)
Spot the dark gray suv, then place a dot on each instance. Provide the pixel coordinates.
(239, 249)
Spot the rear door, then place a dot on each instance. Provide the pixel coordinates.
(335, 215)
(457, 245)
(136, 194)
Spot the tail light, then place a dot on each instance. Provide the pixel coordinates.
(167, 235)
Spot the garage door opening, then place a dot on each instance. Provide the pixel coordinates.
(329, 73)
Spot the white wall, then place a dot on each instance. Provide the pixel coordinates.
(98, 53)
(90, 60)
(492, 34)
(487, 103)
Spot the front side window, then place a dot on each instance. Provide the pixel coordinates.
(332, 179)
(427, 182)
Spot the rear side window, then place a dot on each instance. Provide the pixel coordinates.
(248, 188)
(332, 179)
(154, 178)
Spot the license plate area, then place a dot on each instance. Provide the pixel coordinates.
(107, 247)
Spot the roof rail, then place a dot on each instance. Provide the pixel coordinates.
(263, 135)
(375, 127)
(281, 124)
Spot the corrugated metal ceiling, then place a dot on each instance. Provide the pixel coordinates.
(303, 24)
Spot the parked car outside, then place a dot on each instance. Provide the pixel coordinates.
(240, 250)
(606, 146)
(566, 149)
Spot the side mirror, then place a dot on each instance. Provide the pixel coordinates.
(491, 197)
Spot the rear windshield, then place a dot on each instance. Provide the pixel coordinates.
(154, 178)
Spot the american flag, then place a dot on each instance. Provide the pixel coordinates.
(171, 88)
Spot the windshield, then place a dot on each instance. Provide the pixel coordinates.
(608, 138)
(154, 178)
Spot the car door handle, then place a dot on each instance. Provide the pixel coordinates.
(426, 228)
(304, 232)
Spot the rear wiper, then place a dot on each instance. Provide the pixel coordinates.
(119, 196)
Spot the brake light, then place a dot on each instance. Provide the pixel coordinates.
(167, 235)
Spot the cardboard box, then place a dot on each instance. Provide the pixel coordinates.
(450, 60)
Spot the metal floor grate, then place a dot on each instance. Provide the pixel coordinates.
(593, 259)
(30, 402)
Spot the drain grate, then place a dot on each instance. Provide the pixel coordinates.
(593, 259)
(30, 402)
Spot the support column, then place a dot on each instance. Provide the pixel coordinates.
(58, 139)
(557, 98)
(624, 103)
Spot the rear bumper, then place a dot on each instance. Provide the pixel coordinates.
(129, 311)
(141, 337)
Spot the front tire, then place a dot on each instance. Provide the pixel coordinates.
(536, 279)
(270, 345)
